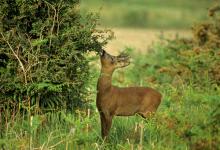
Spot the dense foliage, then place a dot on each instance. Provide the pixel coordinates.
(193, 61)
(42, 47)
(197, 59)
(185, 71)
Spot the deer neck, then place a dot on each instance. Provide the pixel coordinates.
(105, 80)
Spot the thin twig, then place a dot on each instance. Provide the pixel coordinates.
(54, 20)
(51, 147)
(21, 64)
(30, 66)
(57, 18)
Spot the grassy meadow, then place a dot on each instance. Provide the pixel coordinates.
(188, 117)
(186, 72)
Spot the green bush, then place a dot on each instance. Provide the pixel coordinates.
(42, 53)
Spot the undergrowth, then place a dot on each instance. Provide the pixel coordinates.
(185, 71)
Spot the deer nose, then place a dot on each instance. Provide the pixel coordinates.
(131, 60)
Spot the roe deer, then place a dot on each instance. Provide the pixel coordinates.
(115, 101)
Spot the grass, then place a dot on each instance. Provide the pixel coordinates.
(179, 124)
(184, 120)
(152, 13)
(185, 73)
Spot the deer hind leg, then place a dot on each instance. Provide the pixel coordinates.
(106, 123)
(149, 112)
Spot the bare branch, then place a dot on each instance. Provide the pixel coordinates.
(57, 18)
(54, 21)
(21, 64)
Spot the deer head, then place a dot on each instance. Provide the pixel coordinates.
(113, 62)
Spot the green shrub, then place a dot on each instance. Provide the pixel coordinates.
(42, 53)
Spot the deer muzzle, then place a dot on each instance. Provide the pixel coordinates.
(122, 61)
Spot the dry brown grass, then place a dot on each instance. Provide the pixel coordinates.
(139, 39)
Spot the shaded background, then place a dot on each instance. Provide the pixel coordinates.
(148, 13)
(139, 23)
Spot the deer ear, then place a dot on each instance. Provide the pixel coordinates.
(102, 52)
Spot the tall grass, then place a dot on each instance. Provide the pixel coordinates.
(184, 120)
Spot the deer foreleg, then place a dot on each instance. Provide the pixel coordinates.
(106, 122)
(103, 124)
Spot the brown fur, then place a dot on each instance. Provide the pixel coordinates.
(115, 101)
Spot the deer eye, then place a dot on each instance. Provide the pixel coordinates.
(112, 60)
